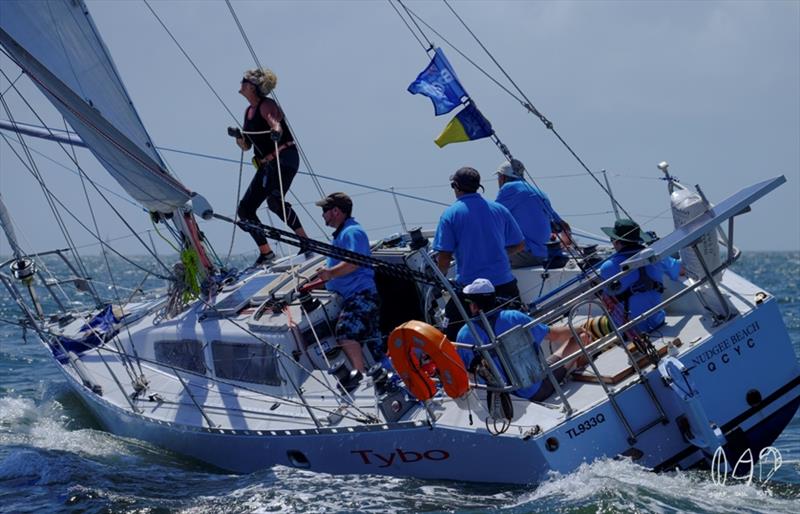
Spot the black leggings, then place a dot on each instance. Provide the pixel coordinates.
(265, 185)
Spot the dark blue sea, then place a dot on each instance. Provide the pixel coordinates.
(55, 458)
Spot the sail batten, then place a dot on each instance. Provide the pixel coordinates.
(56, 43)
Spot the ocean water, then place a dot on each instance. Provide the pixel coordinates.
(55, 458)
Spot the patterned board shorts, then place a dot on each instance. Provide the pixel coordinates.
(359, 318)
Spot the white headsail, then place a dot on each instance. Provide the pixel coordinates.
(59, 47)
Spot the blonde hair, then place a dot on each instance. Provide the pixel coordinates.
(264, 79)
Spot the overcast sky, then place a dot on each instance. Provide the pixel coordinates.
(711, 87)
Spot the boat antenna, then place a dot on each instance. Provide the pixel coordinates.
(611, 193)
(528, 105)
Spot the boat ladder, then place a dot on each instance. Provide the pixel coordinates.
(661, 417)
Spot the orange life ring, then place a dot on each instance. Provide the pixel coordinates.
(416, 335)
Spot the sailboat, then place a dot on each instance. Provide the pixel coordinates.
(244, 373)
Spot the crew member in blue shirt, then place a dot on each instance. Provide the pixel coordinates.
(358, 320)
(639, 290)
(480, 296)
(531, 208)
(482, 235)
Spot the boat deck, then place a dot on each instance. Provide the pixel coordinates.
(203, 402)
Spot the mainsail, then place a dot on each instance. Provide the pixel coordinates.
(57, 44)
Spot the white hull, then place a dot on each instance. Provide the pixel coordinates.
(725, 366)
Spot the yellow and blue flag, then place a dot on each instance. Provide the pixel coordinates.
(439, 83)
(467, 125)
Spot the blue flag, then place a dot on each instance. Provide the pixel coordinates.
(439, 82)
(467, 125)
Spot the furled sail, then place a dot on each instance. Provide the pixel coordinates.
(8, 228)
(59, 47)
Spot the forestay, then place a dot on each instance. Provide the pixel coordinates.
(59, 47)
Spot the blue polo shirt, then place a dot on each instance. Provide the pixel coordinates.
(639, 301)
(532, 211)
(351, 236)
(477, 231)
(506, 320)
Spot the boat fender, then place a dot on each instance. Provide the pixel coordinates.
(413, 337)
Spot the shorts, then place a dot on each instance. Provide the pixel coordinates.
(359, 318)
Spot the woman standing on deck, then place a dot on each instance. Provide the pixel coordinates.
(274, 153)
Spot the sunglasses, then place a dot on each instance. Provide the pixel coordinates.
(453, 185)
(326, 209)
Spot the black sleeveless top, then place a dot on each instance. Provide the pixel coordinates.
(262, 143)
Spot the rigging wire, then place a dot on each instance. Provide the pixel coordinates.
(225, 159)
(77, 173)
(417, 37)
(414, 16)
(530, 107)
(21, 73)
(571, 247)
(523, 101)
(96, 188)
(371, 189)
(302, 153)
(224, 105)
(235, 211)
(126, 362)
(327, 249)
(258, 393)
(203, 77)
(77, 220)
(146, 163)
(91, 209)
(326, 177)
(38, 176)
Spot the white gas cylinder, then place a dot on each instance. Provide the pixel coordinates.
(686, 206)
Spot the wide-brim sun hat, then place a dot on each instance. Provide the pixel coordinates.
(627, 231)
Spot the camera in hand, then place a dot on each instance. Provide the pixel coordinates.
(234, 132)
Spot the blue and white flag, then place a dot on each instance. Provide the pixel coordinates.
(439, 82)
